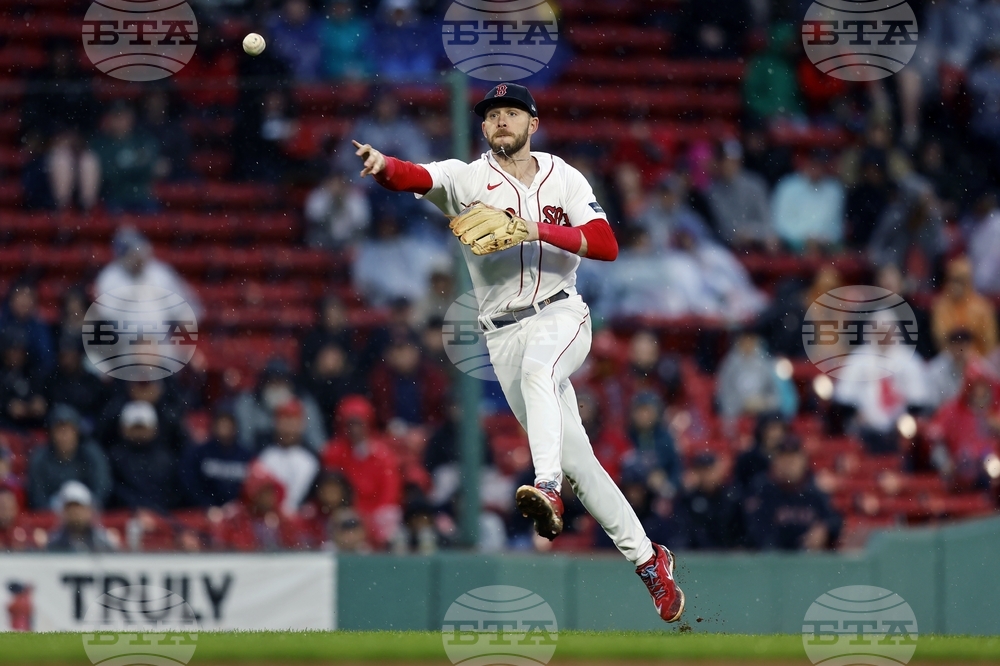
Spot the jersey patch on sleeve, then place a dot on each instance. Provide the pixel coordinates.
(597, 208)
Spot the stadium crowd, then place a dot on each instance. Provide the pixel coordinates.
(356, 448)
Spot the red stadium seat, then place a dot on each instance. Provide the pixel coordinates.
(858, 529)
(22, 58)
(604, 38)
(646, 69)
(10, 193)
(200, 128)
(214, 164)
(616, 100)
(40, 520)
(250, 353)
(324, 98)
(10, 123)
(622, 10)
(250, 319)
(12, 158)
(40, 28)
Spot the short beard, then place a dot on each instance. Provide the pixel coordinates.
(502, 151)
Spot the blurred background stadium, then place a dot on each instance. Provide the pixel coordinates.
(320, 411)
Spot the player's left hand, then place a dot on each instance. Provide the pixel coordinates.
(487, 229)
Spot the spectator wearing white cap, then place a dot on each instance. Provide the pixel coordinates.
(78, 532)
(144, 469)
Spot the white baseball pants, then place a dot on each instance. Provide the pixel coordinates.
(533, 359)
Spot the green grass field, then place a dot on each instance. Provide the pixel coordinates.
(426, 647)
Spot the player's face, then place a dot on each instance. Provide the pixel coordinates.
(508, 127)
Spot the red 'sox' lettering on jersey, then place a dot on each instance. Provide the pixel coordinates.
(555, 215)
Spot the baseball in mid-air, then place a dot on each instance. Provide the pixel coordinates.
(254, 44)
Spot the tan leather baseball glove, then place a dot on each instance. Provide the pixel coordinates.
(486, 229)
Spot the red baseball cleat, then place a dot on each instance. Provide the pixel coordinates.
(658, 575)
(542, 504)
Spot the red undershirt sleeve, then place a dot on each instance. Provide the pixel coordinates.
(402, 176)
(601, 243)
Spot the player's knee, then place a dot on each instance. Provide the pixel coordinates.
(535, 368)
(536, 377)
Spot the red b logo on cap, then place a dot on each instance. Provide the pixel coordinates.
(501, 90)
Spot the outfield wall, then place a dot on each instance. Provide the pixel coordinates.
(950, 576)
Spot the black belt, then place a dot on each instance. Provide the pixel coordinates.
(517, 315)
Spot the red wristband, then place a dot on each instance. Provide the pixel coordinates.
(402, 176)
(565, 238)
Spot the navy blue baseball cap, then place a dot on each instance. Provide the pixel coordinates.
(508, 94)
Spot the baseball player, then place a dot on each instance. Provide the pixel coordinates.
(525, 220)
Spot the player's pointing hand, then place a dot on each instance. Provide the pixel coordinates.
(374, 160)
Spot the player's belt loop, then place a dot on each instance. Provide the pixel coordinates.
(487, 324)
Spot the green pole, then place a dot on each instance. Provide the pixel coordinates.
(468, 390)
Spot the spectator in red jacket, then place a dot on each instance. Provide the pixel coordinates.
(407, 388)
(256, 522)
(370, 465)
(966, 430)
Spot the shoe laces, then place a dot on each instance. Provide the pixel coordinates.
(549, 486)
(653, 581)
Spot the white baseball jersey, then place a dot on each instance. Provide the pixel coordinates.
(518, 277)
(534, 359)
